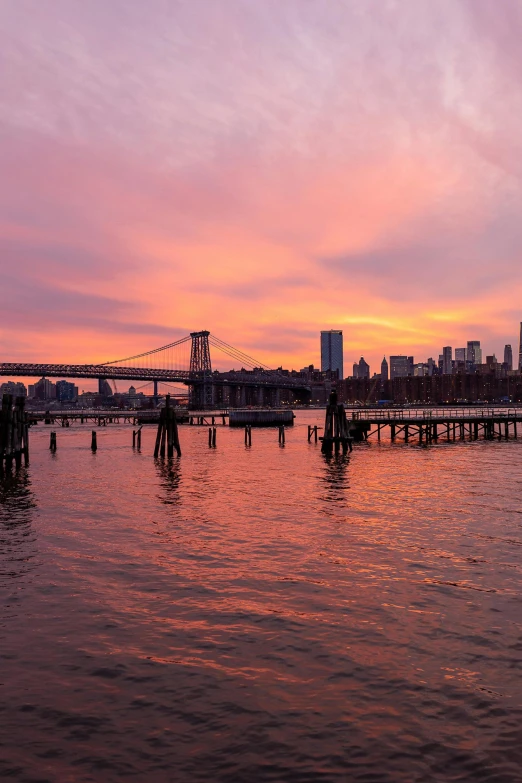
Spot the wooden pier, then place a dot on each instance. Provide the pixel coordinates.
(103, 417)
(432, 426)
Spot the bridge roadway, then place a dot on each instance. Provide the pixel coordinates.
(269, 379)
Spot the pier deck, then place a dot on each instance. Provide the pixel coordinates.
(432, 425)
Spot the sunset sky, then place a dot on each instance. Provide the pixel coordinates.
(263, 169)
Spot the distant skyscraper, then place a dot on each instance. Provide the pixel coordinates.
(399, 366)
(474, 352)
(520, 350)
(384, 369)
(332, 351)
(364, 368)
(447, 361)
(508, 357)
(460, 354)
(355, 370)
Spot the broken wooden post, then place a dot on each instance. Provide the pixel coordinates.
(94, 443)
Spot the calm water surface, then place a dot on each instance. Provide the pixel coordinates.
(261, 614)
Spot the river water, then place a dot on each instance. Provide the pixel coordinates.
(261, 614)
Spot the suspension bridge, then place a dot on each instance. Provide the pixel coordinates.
(188, 362)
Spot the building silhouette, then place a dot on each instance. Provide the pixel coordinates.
(520, 350)
(384, 369)
(332, 351)
(364, 369)
(66, 392)
(508, 357)
(399, 366)
(43, 389)
(13, 387)
(447, 360)
(474, 352)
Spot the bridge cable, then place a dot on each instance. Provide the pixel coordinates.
(148, 353)
(236, 353)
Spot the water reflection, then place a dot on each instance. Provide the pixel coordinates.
(169, 472)
(17, 536)
(335, 477)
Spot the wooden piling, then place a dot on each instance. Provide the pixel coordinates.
(52, 442)
(282, 434)
(14, 433)
(94, 443)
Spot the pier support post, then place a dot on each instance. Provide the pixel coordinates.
(94, 443)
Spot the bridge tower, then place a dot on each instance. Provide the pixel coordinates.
(200, 371)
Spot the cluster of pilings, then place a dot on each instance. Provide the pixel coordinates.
(336, 428)
(167, 431)
(14, 433)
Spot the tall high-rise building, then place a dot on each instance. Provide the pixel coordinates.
(447, 360)
(474, 352)
(508, 357)
(399, 366)
(460, 354)
(332, 351)
(384, 369)
(520, 350)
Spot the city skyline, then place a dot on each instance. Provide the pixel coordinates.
(235, 185)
